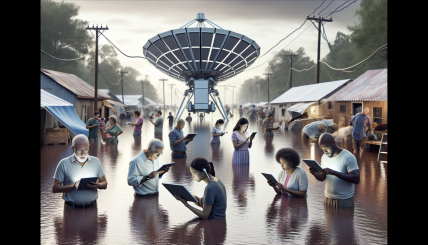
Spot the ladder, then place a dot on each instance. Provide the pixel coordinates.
(383, 150)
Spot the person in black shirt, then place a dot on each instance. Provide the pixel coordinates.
(171, 118)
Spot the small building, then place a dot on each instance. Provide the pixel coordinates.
(132, 102)
(368, 90)
(73, 90)
(115, 105)
(58, 112)
(307, 98)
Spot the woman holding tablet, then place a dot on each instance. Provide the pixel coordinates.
(240, 138)
(268, 124)
(216, 132)
(292, 180)
(214, 201)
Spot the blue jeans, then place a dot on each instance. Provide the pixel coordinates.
(177, 156)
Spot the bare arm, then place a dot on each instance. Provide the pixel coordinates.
(58, 187)
(319, 176)
(236, 145)
(268, 128)
(204, 213)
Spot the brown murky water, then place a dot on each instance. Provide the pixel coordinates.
(255, 213)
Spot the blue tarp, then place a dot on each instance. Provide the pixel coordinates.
(64, 112)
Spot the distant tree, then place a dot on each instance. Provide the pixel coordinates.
(63, 36)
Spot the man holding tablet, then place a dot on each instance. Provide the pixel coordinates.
(178, 141)
(72, 169)
(340, 171)
(142, 173)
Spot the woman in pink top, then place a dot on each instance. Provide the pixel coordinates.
(292, 180)
(138, 124)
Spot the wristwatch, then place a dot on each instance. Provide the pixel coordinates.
(147, 177)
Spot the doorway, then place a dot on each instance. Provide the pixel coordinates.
(357, 108)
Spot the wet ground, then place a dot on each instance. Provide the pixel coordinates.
(255, 213)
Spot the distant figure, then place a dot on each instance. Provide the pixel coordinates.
(361, 122)
(240, 138)
(253, 113)
(113, 129)
(262, 116)
(69, 171)
(292, 180)
(170, 118)
(158, 125)
(216, 132)
(268, 125)
(138, 124)
(214, 201)
(340, 171)
(189, 118)
(176, 141)
(313, 130)
(240, 111)
(93, 125)
(142, 174)
(227, 110)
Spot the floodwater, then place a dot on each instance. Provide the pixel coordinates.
(255, 213)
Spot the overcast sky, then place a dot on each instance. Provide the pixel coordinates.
(132, 23)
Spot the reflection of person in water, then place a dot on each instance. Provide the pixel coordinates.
(77, 225)
(241, 183)
(289, 217)
(148, 220)
(292, 180)
(214, 201)
(198, 231)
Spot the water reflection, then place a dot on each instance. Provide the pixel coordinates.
(148, 220)
(269, 148)
(242, 181)
(80, 225)
(215, 152)
(339, 226)
(289, 217)
(199, 231)
(137, 143)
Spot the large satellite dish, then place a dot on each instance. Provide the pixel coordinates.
(201, 57)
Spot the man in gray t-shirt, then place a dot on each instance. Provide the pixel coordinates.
(215, 194)
(158, 123)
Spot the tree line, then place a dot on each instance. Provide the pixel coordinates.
(346, 50)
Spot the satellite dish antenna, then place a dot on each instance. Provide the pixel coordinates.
(201, 57)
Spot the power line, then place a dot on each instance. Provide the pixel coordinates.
(341, 8)
(365, 60)
(304, 69)
(43, 52)
(130, 84)
(318, 7)
(121, 51)
(325, 7)
(327, 72)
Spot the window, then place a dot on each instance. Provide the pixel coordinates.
(330, 105)
(377, 115)
(343, 108)
(282, 112)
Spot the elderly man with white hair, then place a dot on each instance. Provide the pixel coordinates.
(142, 172)
(71, 169)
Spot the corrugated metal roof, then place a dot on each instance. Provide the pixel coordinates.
(115, 103)
(370, 86)
(130, 99)
(151, 102)
(110, 94)
(48, 99)
(76, 85)
(306, 93)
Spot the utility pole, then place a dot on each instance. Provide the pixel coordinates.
(319, 20)
(251, 95)
(121, 79)
(291, 70)
(96, 61)
(268, 74)
(171, 94)
(163, 80)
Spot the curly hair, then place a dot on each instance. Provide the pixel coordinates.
(291, 155)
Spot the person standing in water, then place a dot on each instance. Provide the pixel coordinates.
(240, 138)
(216, 132)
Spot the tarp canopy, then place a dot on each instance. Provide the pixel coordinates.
(297, 110)
(64, 112)
(109, 106)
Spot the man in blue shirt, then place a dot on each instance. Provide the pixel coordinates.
(362, 121)
(176, 141)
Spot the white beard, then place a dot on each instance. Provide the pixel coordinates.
(80, 160)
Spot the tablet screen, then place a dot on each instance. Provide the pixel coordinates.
(313, 163)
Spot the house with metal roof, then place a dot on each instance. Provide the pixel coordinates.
(73, 90)
(368, 90)
(307, 98)
(115, 105)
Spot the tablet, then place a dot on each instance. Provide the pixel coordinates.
(190, 136)
(270, 177)
(181, 190)
(84, 181)
(253, 134)
(313, 163)
(165, 165)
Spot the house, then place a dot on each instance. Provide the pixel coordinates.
(368, 90)
(55, 111)
(132, 102)
(115, 105)
(307, 98)
(73, 90)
